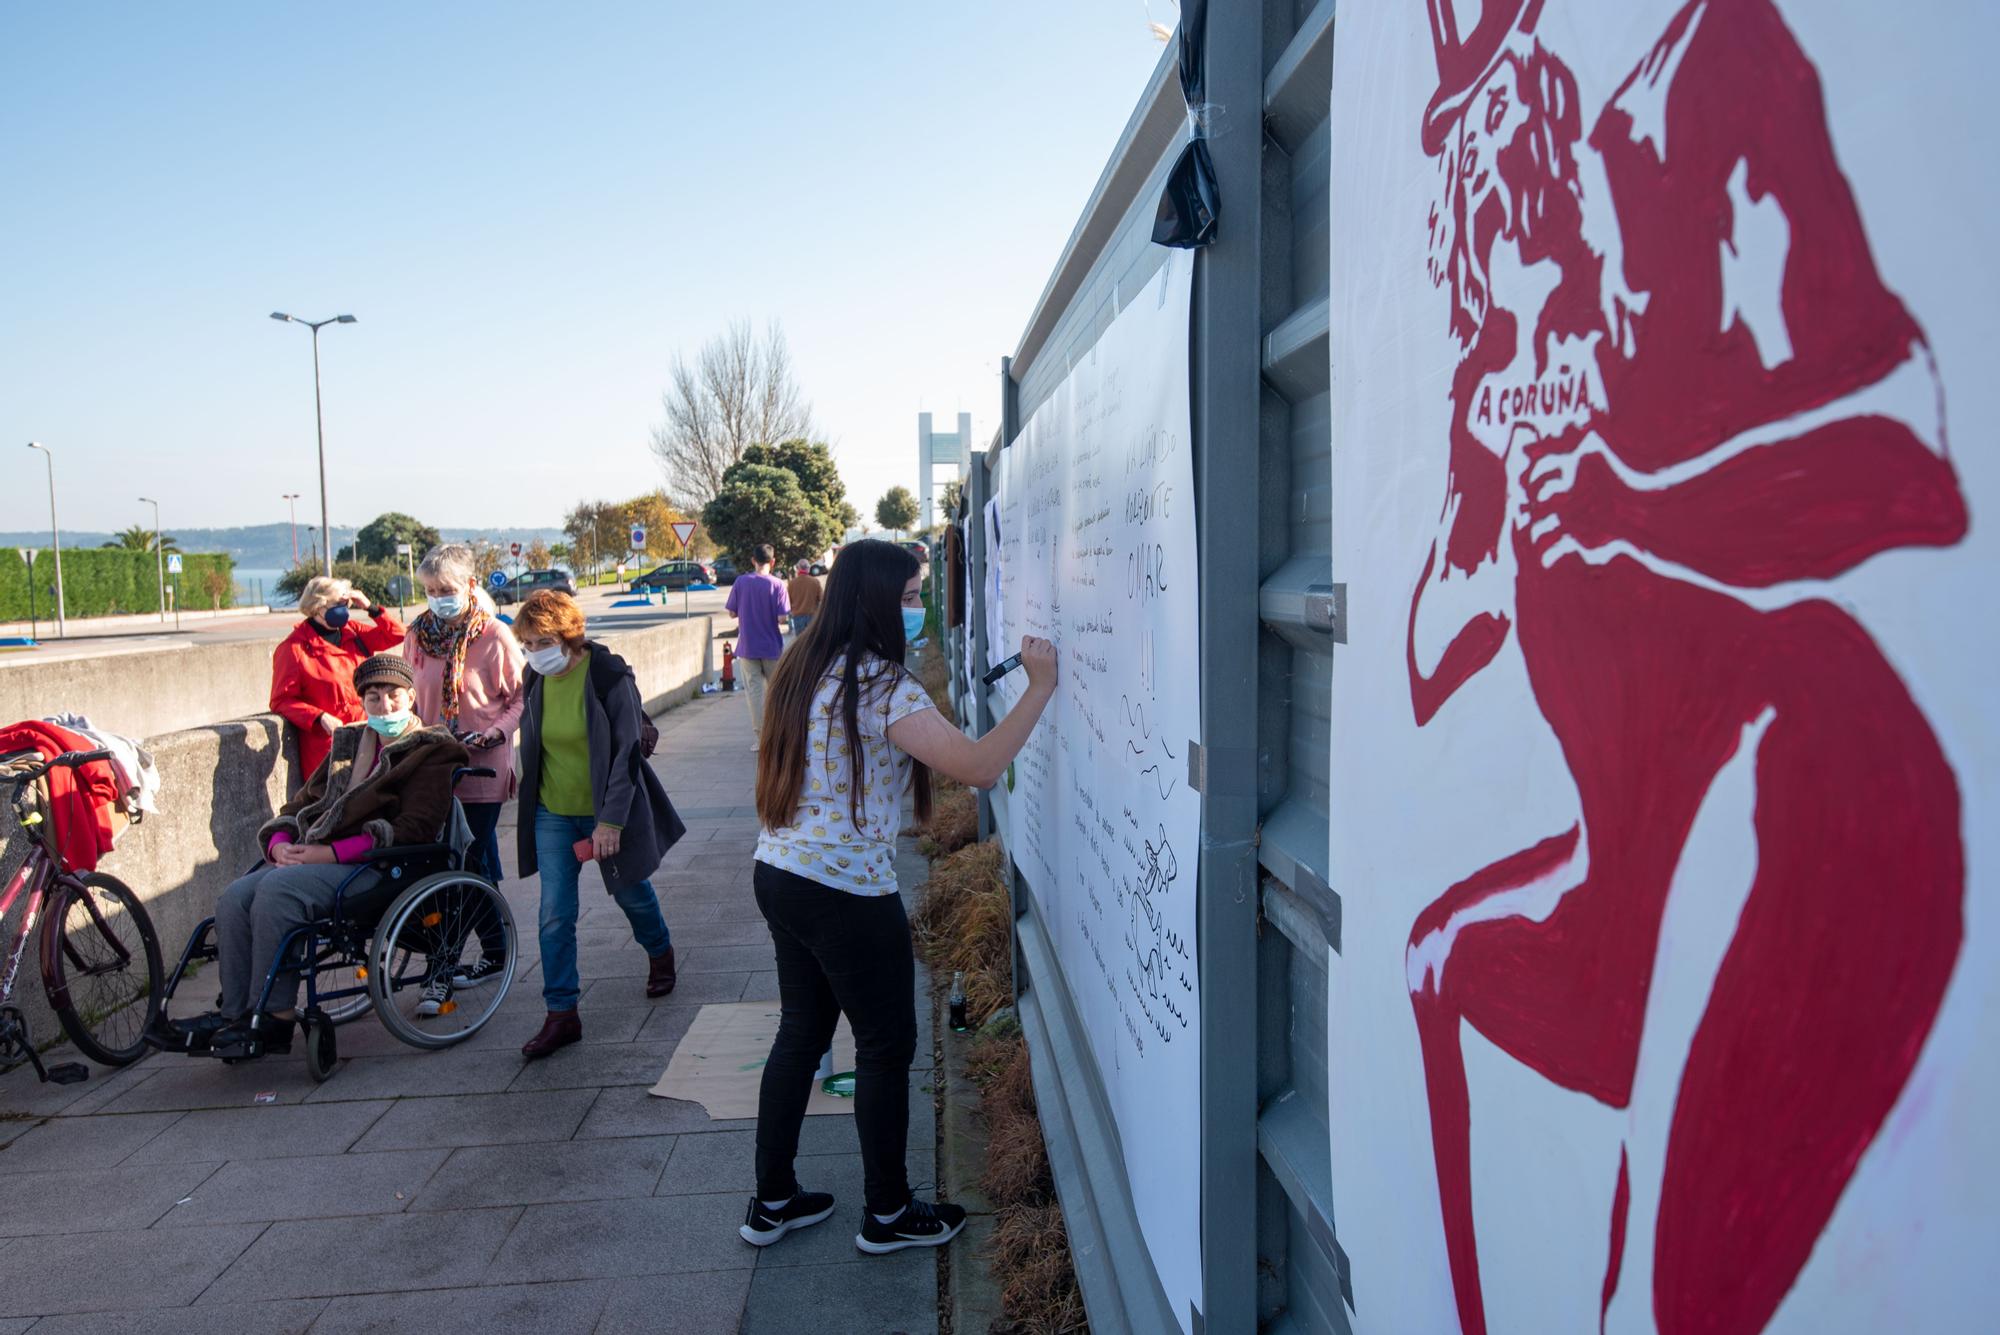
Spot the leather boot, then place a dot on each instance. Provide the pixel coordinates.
(660, 973)
(560, 1030)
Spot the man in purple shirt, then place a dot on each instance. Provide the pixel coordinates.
(759, 602)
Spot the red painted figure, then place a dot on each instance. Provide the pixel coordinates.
(1684, 397)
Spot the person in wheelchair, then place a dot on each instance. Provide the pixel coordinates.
(387, 782)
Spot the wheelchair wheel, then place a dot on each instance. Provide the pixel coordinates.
(447, 920)
(342, 1010)
(322, 1050)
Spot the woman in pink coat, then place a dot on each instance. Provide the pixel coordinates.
(468, 682)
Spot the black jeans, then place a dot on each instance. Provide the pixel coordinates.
(483, 859)
(838, 952)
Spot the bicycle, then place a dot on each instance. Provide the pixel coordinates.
(93, 938)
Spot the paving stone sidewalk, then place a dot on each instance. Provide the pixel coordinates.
(465, 1190)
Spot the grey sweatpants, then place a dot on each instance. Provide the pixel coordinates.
(253, 916)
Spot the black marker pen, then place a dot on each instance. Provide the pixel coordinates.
(1000, 670)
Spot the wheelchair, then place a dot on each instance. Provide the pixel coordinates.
(403, 917)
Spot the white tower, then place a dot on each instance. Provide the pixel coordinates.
(937, 450)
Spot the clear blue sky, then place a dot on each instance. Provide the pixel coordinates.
(530, 208)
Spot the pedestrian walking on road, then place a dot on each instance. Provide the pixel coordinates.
(851, 730)
(757, 601)
(805, 593)
(312, 669)
(468, 671)
(587, 792)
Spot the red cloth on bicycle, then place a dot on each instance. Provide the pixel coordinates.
(80, 800)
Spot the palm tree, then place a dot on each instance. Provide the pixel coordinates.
(139, 538)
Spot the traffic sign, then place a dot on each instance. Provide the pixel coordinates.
(638, 537)
(517, 548)
(402, 549)
(497, 578)
(27, 554)
(174, 564)
(684, 530)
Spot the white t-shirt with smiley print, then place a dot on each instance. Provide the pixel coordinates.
(826, 843)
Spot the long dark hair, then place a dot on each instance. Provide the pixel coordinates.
(860, 619)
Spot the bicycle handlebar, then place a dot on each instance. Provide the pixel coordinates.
(30, 773)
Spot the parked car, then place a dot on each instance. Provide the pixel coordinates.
(725, 570)
(533, 581)
(918, 550)
(676, 575)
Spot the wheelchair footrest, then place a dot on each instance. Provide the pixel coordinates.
(68, 1073)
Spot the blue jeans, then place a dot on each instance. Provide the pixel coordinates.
(800, 620)
(555, 837)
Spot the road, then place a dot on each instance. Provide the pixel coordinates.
(84, 642)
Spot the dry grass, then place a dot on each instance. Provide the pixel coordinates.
(965, 922)
(954, 819)
(1030, 1252)
(1038, 1289)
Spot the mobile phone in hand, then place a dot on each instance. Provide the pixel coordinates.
(584, 850)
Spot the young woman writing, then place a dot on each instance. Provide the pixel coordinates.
(847, 730)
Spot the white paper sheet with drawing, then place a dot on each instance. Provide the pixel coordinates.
(1097, 553)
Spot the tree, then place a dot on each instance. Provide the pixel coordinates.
(811, 462)
(371, 577)
(377, 540)
(762, 504)
(737, 393)
(559, 555)
(539, 556)
(949, 497)
(658, 515)
(139, 538)
(597, 533)
(897, 510)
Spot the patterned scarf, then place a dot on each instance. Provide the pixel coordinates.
(448, 640)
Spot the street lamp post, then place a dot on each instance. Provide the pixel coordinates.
(159, 554)
(292, 498)
(319, 419)
(55, 535)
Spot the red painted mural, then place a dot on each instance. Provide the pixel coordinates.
(1684, 393)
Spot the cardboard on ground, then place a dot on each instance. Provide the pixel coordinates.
(720, 1061)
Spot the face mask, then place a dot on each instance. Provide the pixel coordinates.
(392, 725)
(913, 622)
(550, 661)
(448, 607)
(336, 616)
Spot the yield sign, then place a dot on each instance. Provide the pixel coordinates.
(684, 530)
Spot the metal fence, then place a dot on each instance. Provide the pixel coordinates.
(1270, 616)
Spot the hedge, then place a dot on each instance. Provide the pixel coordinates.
(101, 581)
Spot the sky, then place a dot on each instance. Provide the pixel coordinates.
(530, 209)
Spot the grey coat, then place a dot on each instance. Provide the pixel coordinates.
(623, 788)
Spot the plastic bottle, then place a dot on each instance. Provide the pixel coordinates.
(958, 1024)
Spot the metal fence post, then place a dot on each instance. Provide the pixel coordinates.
(1226, 399)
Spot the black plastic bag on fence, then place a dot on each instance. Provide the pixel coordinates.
(1190, 203)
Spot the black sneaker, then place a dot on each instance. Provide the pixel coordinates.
(472, 975)
(922, 1224)
(190, 1035)
(239, 1041)
(762, 1227)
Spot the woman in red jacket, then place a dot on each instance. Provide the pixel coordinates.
(312, 670)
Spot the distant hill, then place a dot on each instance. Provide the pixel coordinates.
(269, 546)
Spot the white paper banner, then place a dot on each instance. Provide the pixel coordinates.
(1097, 546)
(1664, 743)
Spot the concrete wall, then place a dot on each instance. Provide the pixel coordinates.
(145, 693)
(671, 661)
(221, 781)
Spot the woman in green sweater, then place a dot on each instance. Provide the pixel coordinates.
(586, 793)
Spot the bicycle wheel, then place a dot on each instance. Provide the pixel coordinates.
(436, 925)
(101, 966)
